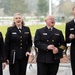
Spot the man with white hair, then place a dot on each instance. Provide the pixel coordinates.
(50, 44)
(70, 38)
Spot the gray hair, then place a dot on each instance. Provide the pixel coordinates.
(13, 24)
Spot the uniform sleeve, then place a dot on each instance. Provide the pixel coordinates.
(62, 45)
(29, 42)
(7, 42)
(2, 48)
(38, 43)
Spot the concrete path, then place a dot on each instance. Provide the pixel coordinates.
(64, 69)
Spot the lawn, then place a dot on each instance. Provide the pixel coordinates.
(33, 28)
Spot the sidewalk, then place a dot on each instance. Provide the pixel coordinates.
(64, 69)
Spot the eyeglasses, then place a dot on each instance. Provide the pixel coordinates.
(51, 19)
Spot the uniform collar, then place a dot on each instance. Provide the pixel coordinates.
(50, 28)
(74, 20)
(19, 27)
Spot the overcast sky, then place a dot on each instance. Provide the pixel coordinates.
(56, 2)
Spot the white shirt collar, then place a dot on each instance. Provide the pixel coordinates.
(74, 20)
(19, 27)
(50, 27)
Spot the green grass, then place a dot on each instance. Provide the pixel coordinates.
(33, 28)
(60, 27)
(3, 29)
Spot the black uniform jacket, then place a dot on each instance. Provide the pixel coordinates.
(2, 49)
(70, 29)
(20, 42)
(43, 38)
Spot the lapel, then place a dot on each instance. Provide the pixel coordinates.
(23, 29)
(72, 26)
(72, 22)
(17, 31)
(50, 33)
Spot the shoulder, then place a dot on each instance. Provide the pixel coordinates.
(69, 23)
(1, 36)
(26, 27)
(58, 30)
(0, 33)
(41, 29)
(9, 28)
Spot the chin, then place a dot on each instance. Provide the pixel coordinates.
(52, 25)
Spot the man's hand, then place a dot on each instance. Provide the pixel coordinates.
(28, 54)
(50, 47)
(71, 36)
(3, 65)
(7, 61)
(55, 50)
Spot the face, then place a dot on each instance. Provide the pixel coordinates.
(18, 20)
(50, 21)
(73, 11)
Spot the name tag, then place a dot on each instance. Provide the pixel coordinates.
(56, 34)
(44, 33)
(14, 33)
(26, 32)
(71, 28)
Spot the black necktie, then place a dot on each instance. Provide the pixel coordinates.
(20, 30)
(50, 29)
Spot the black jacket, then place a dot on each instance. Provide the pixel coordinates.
(43, 38)
(2, 49)
(70, 29)
(20, 42)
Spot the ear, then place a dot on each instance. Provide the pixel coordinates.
(72, 12)
(45, 20)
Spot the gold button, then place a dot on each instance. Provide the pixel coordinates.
(20, 47)
(47, 40)
(20, 36)
(21, 40)
(52, 40)
(20, 43)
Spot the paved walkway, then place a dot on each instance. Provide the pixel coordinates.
(64, 69)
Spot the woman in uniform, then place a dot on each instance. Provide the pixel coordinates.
(18, 43)
(2, 55)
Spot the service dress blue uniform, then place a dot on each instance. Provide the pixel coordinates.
(18, 42)
(47, 62)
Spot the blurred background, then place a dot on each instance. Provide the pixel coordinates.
(34, 12)
(37, 9)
